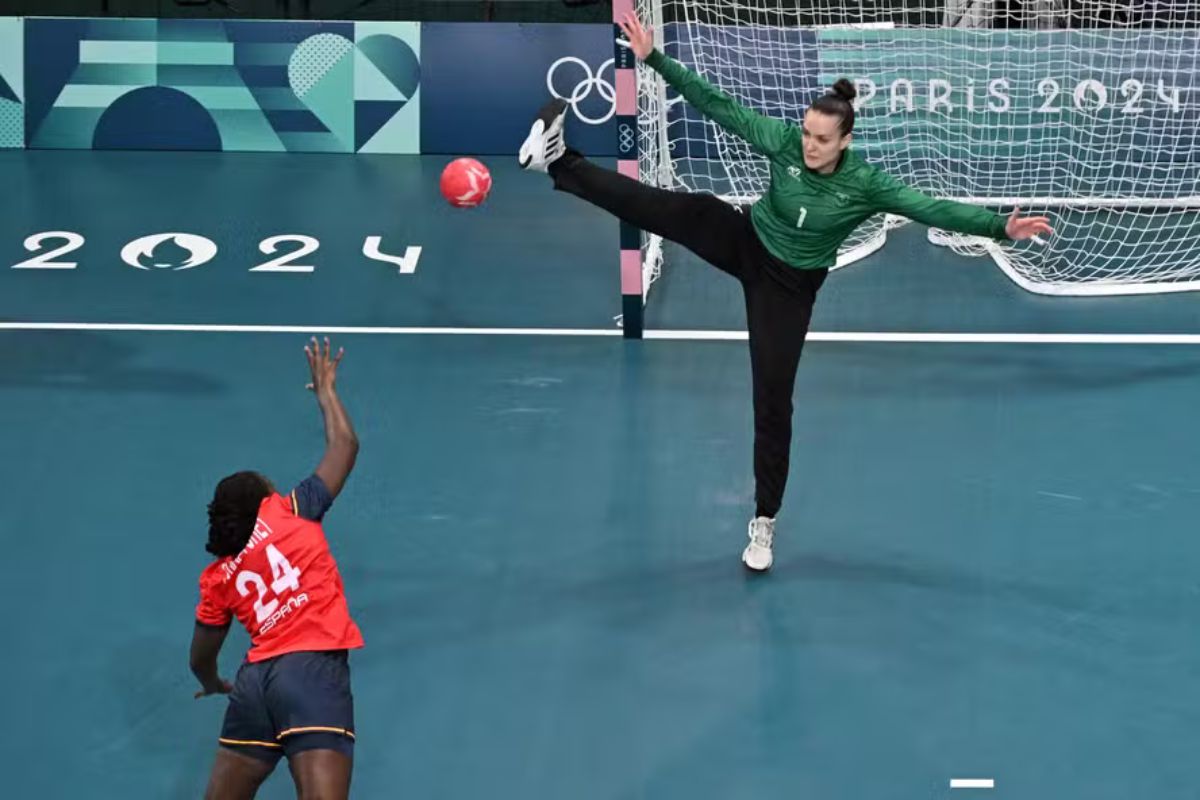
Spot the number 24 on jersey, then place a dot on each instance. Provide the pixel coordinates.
(284, 578)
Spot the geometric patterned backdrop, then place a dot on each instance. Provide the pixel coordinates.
(12, 82)
(151, 84)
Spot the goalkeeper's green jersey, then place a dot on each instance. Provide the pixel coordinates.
(805, 216)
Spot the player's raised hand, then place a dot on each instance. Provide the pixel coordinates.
(322, 365)
(640, 40)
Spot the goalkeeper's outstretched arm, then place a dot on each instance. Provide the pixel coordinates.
(765, 134)
(894, 197)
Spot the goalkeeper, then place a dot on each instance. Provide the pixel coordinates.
(780, 250)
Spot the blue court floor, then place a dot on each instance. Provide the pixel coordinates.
(986, 566)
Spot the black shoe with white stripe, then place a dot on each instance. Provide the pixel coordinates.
(544, 145)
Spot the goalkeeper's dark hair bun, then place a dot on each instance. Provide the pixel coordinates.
(839, 102)
(844, 89)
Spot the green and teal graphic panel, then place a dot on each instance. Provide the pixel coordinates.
(12, 84)
(145, 84)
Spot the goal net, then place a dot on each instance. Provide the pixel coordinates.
(1085, 110)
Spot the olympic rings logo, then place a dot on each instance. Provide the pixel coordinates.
(625, 137)
(583, 90)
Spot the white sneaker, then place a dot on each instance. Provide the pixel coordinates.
(757, 555)
(544, 145)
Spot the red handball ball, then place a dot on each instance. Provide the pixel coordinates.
(466, 183)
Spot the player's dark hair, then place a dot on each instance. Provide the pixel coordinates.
(838, 102)
(233, 511)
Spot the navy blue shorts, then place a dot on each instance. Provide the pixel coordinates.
(291, 703)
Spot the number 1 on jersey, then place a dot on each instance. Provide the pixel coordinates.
(803, 214)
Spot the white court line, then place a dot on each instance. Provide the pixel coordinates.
(972, 783)
(307, 329)
(951, 338)
(667, 335)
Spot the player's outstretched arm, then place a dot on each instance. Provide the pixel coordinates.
(894, 197)
(341, 443)
(765, 134)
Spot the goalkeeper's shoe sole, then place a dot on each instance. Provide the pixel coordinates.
(544, 145)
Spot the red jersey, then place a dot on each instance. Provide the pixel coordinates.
(284, 587)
